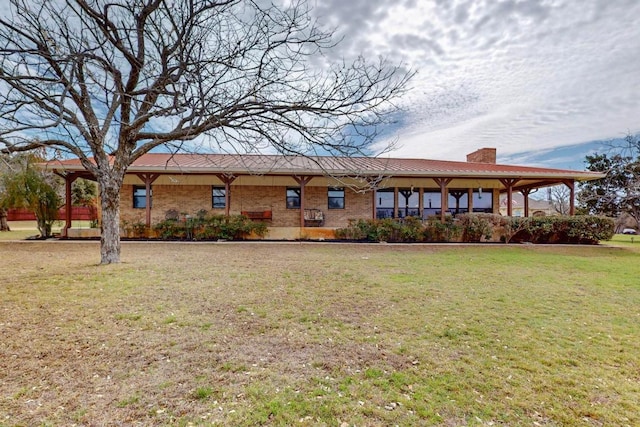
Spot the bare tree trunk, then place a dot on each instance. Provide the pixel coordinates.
(4, 225)
(110, 227)
(127, 88)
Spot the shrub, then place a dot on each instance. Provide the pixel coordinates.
(170, 229)
(135, 228)
(238, 226)
(475, 227)
(203, 227)
(590, 229)
(542, 229)
(360, 229)
(584, 229)
(509, 227)
(409, 229)
(441, 231)
(387, 230)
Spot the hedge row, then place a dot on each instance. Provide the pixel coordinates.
(200, 227)
(482, 227)
(409, 229)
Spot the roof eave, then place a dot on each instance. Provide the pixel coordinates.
(577, 176)
(456, 170)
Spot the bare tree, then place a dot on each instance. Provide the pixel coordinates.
(560, 198)
(108, 80)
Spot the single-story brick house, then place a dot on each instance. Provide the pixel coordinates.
(312, 196)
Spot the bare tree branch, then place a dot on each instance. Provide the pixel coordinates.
(560, 198)
(109, 80)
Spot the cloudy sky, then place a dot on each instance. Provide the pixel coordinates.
(543, 81)
(540, 80)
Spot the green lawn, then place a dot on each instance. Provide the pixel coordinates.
(21, 230)
(625, 239)
(320, 334)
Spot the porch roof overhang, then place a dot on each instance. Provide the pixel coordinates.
(363, 167)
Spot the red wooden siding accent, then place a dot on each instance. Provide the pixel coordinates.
(77, 213)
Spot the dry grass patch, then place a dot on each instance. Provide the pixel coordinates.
(312, 334)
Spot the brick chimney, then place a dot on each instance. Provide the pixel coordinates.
(483, 155)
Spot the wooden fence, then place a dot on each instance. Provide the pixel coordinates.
(77, 213)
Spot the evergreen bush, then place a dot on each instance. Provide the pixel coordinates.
(482, 227)
(213, 227)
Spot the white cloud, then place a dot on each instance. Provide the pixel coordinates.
(519, 75)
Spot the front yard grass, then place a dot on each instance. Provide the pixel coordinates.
(319, 334)
(21, 230)
(627, 240)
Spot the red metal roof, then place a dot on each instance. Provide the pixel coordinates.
(299, 165)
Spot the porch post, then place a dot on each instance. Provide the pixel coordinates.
(227, 180)
(444, 196)
(68, 181)
(572, 195)
(457, 195)
(406, 194)
(372, 185)
(374, 213)
(148, 179)
(227, 189)
(525, 193)
(421, 202)
(302, 182)
(470, 199)
(508, 184)
(395, 202)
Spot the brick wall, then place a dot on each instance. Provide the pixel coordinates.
(267, 198)
(483, 155)
(192, 198)
(183, 198)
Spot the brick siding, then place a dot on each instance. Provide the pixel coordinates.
(483, 155)
(190, 199)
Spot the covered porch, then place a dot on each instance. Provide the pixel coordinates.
(455, 196)
(316, 195)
